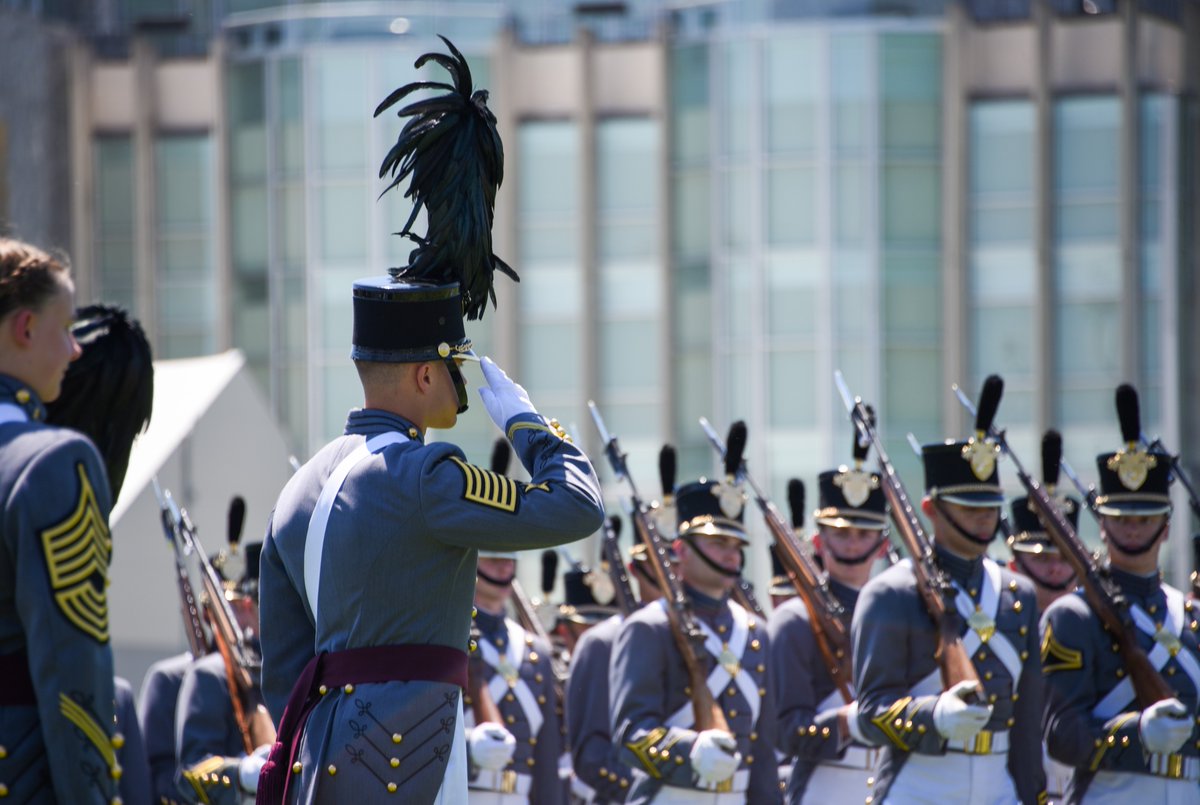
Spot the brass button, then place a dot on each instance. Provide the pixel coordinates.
(1024, 630)
(732, 713)
(394, 763)
(332, 769)
(1016, 606)
(508, 697)
(1012, 585)
(511, 719)
(537, 677)
(348, 688)
(115, 772)
(22, 396)
(721, 628)
(118, 740)
(322, 690)
(530, 762)
(392, 788)
(533, 656)
(541, 699)
(754, 736)
(397, 737)
(983, 655)
(755, 645)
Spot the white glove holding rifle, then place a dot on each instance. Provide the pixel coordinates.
(491, 746)
(1164, 727)
(956, 720)
(715, 756)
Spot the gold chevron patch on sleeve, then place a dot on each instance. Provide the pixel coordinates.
(891, 720)
(1064, 659)
(203, 775)
(641, 749)
(91, 729)
(486, 487)
(77, 550)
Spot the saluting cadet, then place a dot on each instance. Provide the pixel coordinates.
(599, 775)
(212, 762)
(520, 679)
(1120, 751)
(652, 716)
(368, 572)
(59, 741)
(829, 765)
(938, 747)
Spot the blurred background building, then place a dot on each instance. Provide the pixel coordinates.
(712, 206)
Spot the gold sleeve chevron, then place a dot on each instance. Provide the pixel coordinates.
(77, 551)
(1110, 739)
(1056, 656)
(486, 487)
(82, 719)
(204, 775)
(652, 750)
(891, 721)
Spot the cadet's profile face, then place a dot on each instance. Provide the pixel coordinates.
(951, 520)
(494, 567)
(723, 551)
(51, 343)
(1046, 568)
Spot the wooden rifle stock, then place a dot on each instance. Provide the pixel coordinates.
(253, 721)
(684, 631)
(932, 583)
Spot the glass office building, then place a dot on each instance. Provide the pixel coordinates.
(712, 208)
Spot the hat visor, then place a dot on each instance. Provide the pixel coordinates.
(1031, 545)
(973, 500)
(843, 521)
(497, 555)
(715, 530)
(467, 354)
(1133, 508)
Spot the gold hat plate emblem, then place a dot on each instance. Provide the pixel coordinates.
(981, 455)
(1132, 467)
(856, 486)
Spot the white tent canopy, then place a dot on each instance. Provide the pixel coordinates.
(212, 436)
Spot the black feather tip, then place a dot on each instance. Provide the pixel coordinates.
(666, 470)
(735, 448)
(614, 523)
(1129, 413)
(989, 403)
(795, 494)
(549, 570)
(451, 154)
(501, 455)
(1052, 447)
(236, 519)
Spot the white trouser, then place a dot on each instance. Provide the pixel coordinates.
(953, 778)
(836, 785)
(1117, 788)
(454, 781)
(476, 797)
(670, 795)
(1058, 777)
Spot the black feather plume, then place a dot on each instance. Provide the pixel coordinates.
(735, 448)
(796, 501)
(1051, 456)
(1129, 413)
(501, 455)
(666, 470)
(108, 393)
(614, 523)
(549, 570)
(989, 403)
(236, 519)
(451, 153)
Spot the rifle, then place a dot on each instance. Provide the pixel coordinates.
(193, 626)
(1102, 596)
(933, 585)
(684, 630)
(241, 667)
(826, 613)
(612, 563)
(528, 618)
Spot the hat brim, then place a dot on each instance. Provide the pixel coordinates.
(1133, 508)
(714, 529)
(497, 555)
(842, 521)
(1031, 545)
(972, 500)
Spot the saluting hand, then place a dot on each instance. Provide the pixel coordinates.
(503, 398)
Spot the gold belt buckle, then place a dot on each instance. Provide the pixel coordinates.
(1173, 769)
(724, 787)
(982, 744)
(508, 782)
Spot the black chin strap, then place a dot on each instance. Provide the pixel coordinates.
(1145, 546)
(733, 574)
(945, 515)
(1028, 571)
(493, 580)
(460, 384)
(856, 560)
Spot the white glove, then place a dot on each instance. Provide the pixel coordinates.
(956, 720)
(502, 398)
(250, 767)
(1164, 726)
(715, 756)
(491, 746)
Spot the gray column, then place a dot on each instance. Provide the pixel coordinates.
(585, 116)
(954, 212)
(83, 210)
(145, 226)
(1045, 338)
(222, 224)
(1128, 225)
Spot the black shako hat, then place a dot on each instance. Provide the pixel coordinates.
(852, 497)
(965, 473)
(710, 508)
(1029, 531)
(1133, 481)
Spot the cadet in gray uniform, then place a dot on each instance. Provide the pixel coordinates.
(212, 762)
(829, 766)
(59, 739)
(652, 714)
(1120, 751)
(598, 773)
(938, 748)
(157, 701)
(368, 572)
(520, 679)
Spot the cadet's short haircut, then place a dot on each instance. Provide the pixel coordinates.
(28, 276)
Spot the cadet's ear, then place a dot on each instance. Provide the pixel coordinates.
(20, 326)
(423, 376)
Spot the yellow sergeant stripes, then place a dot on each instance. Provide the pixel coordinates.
(82, 719)
(1064, 659)
(77, 550)
(487, 488)
(886, 722)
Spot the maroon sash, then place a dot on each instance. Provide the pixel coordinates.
(355, 666)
